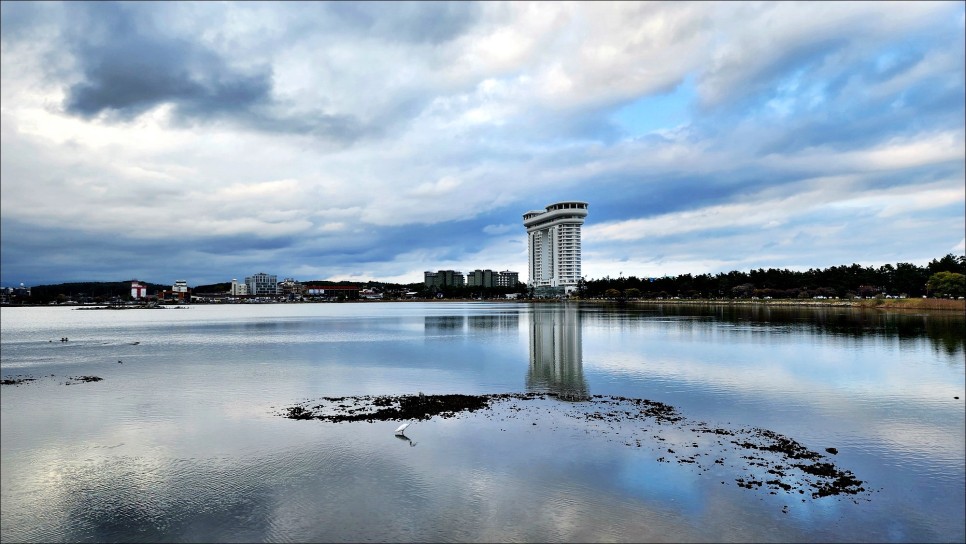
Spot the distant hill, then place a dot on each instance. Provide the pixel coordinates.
(222, 287)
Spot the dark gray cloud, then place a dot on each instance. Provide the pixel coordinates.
(128, 85)
(129, 65)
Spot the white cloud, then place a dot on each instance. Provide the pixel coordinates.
(500, 229)
(889, 204)
(763, 211)
(896, 154)
(754, 40)
(444, 186)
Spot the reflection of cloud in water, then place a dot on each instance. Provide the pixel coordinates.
(556, 354)
(867, 404)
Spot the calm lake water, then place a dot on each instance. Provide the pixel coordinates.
(182, 439)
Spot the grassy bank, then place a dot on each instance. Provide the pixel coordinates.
(942, 304)
(913, 304)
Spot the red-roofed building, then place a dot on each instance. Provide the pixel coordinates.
(138, 290)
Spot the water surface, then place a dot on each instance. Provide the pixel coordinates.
(182, 438)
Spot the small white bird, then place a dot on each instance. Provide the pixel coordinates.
(402, 428)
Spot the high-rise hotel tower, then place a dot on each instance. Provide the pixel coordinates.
(554, 246)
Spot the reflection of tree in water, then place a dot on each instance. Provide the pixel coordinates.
(946, 331)
(556, 354)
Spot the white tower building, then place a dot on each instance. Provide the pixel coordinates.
(554, 246)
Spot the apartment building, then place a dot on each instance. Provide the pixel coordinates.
(444, 278)
(489, 278)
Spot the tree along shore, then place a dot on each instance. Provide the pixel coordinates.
(941, 278)
(915, 304)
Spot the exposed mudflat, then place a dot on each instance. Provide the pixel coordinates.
(85, 379)
(16, 380)
(21, 379)
(761, 459)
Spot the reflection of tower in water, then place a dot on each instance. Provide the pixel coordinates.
(556, 354)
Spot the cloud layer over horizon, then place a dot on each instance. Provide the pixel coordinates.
(357, 141)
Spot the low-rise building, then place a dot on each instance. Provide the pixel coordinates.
(332, 292)
(10, 294)
(179, 292)
(371, 294)
(262, 284)
(238, 289)
(138, 290)
(291, 288)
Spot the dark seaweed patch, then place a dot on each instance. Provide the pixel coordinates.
(16, 381)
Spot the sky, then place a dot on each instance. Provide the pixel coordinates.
(365, 141)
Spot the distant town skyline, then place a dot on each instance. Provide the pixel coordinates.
(375, 141)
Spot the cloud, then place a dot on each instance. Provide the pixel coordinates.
(129, 66)
(415, 22)
(130, 63)
(500, 229)
(442, 187)
(758, 44)
(388, 139)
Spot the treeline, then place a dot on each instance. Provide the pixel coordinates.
(85, 291)
(469, 292)
(941, 277)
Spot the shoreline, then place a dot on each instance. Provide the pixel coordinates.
(906, 304)
(899, 304)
